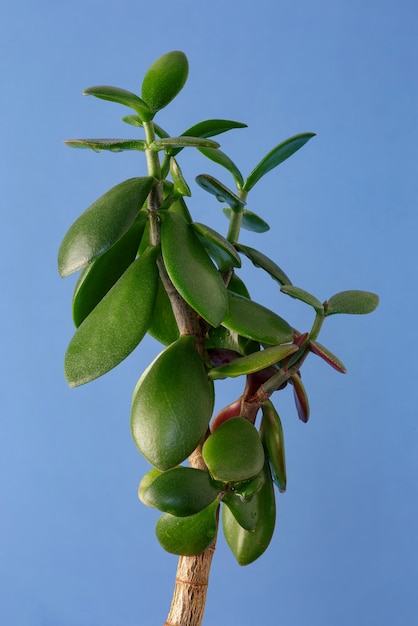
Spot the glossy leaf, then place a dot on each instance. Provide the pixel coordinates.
(190, 535)
(276, 156)
(233, 452)
(180, 185)
(352, 302)
(252, 362)
(247, 546)
(113, 145)
(254, 321)
(237, 285)
(304, 296)
(181, 491)
(325, 354)
(98, 277)
(220, 249)
(121, 96)
(163, 326)
(222, 193)
(273, 441)
(245, 513)
(116, 325)
(208, 128)
(182, 142)
(259, 259)
(191, 271)
(222, 159)
(132, 120)
(164, 79)
(146, 482)
(102, 224)
(250, 221)
(172, 405)
(301, 398)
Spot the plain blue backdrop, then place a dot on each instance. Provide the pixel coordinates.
(76, 546)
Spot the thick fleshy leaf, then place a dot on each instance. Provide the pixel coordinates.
(250, 221)
(304, 296)
(252, 362)
(208, 128)
(245, 513)
(180, 186)
(112, 145)
(102, 224)
(172, 405)
(325, 354)
(276, 156)
(273, 441)
(98, 277)
(254, 321)
(116, 325)
(238, 286)
(146, 481)
(301, 398)
(352, 302)
(190, 535)
(221, 158)
(181, 491)
(222, 193)
(191, 270)
(182, 142)
(261, 260)
(220, 249)
(233, 452)
(247, 546)
(121, 96)
(163, 326)
(164, 79)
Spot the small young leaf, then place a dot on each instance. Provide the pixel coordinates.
(352, 302)
(325, 354)
(245, 513)
(163, 326)
(180, 186)
(250, 221)
(165, 79)
(210, 128)
(276, 156)
(191, 271)
(222, 159)
(261, 260)
(146, 481)
(116, 325)
(252, 362)
(304, 296)
(102, 224)
(184, 142)
(273, 440)
(112, 145)
(121, 96)
(256, 322)
(219, 248)
(222, 193)
(301, 398)
(188, 535)
(238, 286)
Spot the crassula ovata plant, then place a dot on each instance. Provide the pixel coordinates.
(148, 267)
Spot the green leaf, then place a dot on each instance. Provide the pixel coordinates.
(172, 405)
(219, 248)
(276, 156)
(191, 271)
(210, 128)
(121, 96)
(261, 260)
(165, 79)
(254, 321)
(132, 120)
(98, 277)
(247, 546)
(325, 354)
(245, 513)
(163, 326)
(221, 158)
(252, 362)
(103, 224)
(273, 440)
(113, 145)
(233, 452)
(301, 398)
(181, 491)
(222, 193)
(250, 221)
(352, 303)
(116, 325)
(180, 186)
(182, 142)
(238, 286)
(304, 296)
(146, 481)
(190, 535)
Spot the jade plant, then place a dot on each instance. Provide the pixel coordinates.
(146, 266)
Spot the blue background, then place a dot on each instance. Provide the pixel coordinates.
(76, 546)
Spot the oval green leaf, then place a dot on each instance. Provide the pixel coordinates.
(163, 326)
(172, 405)
(252, 362)
(220, 249)
(276, 156)
(165, 79)
(245, 513)
(116, 325)
(250, 221)
(190, 535)
(102, 224)
(254, 321)
(352, 303)
(303, 296)
(121, 96)
(273, 440)
(261, 260)
(222, 193)
(221, 158)
(181, 491)
(146, 481)
(191, 270)
(233, 452)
